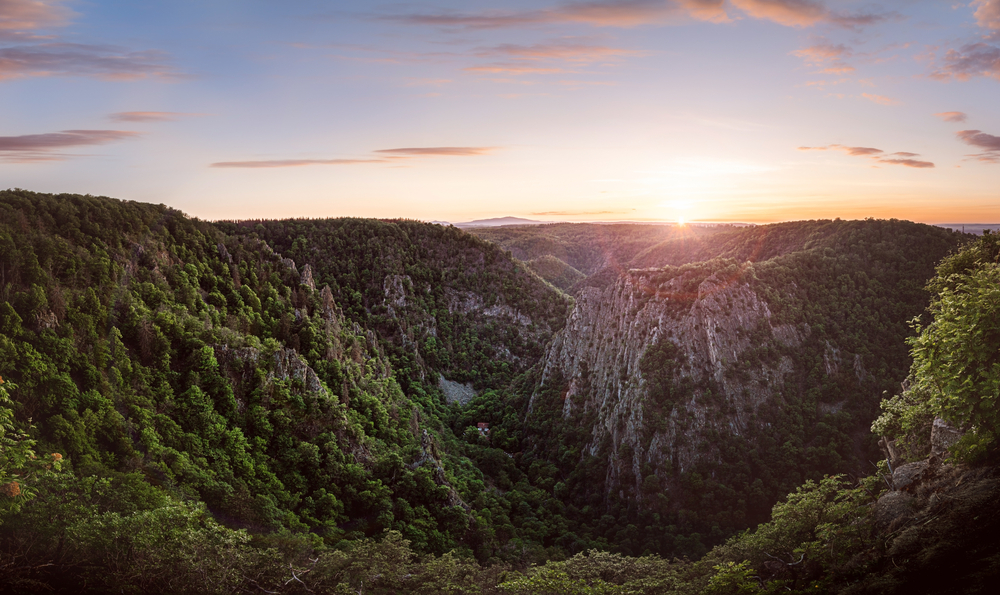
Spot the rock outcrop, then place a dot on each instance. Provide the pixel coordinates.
(728, 351)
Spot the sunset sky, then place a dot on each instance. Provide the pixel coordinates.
(723, 110)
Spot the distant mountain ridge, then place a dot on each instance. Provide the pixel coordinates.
(499, 222)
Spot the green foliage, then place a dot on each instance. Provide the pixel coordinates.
(439, 299)
(20, 467)
(234, 429)
(731, 578)
(599, 573)
(956, 358)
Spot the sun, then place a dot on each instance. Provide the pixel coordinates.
(679, 208)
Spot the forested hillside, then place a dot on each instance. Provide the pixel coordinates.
(442, 299)
(685, 400)
(263, 405)
(566, 253)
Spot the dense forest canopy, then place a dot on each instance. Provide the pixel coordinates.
(264, 405)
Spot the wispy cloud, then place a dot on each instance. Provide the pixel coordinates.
(881, 99)
(904, 158)
(989, 143)
(438, 151)
(514, 68)
(827, 56)
(952, 116)
(562, 56)
(21, 19)
(382, 156)
(972, 60)
(291, 163)
(150, 116)
(600, 13)
(75, 59)
(568, 51)
(806, 13)
(31, 148)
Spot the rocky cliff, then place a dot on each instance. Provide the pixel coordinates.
(711, 385)
(600, 353)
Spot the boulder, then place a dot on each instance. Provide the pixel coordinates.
(943, 436)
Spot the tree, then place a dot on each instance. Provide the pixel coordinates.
(956, 358)
(18, 462)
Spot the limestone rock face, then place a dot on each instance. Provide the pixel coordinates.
(456, 392)
(714, 330)
(306, 277)
(943, 436)
(909, 474)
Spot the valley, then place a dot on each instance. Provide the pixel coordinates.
(275, 392)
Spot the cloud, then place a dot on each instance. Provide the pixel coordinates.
(987, 13)
(976, 59)
(899, 158)
(600, 13)
(291, 163)
(952, 116)
(149, 116)
(881, 99)
(828, 56)
(981, 140)
(567, 51)
(514, 69)
(437, 151)
(529, 59)
(792, 13)
(383, 156)
(19, 19)
(908, 163)
(806, 13)
(44, 147)
(858, 151)
(74, 59)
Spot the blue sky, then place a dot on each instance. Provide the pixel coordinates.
(753, 110)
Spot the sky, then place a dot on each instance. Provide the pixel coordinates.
(452, 110)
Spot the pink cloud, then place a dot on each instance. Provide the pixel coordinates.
(514, 69)
(600, 13)
(74, 59)
(525, 59)
(908, 163)
(149, 116)
(570, 52)
(829, 57)
(438, 151)
(952, 116)
(977, 59)
(291, 163)
(806, 13)
(792, 13)
(881, 99)
(989, 143)
(899, 158)
(630, 13)
(20, 18)
(385, 156)
(987, 13)
(44, 147)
